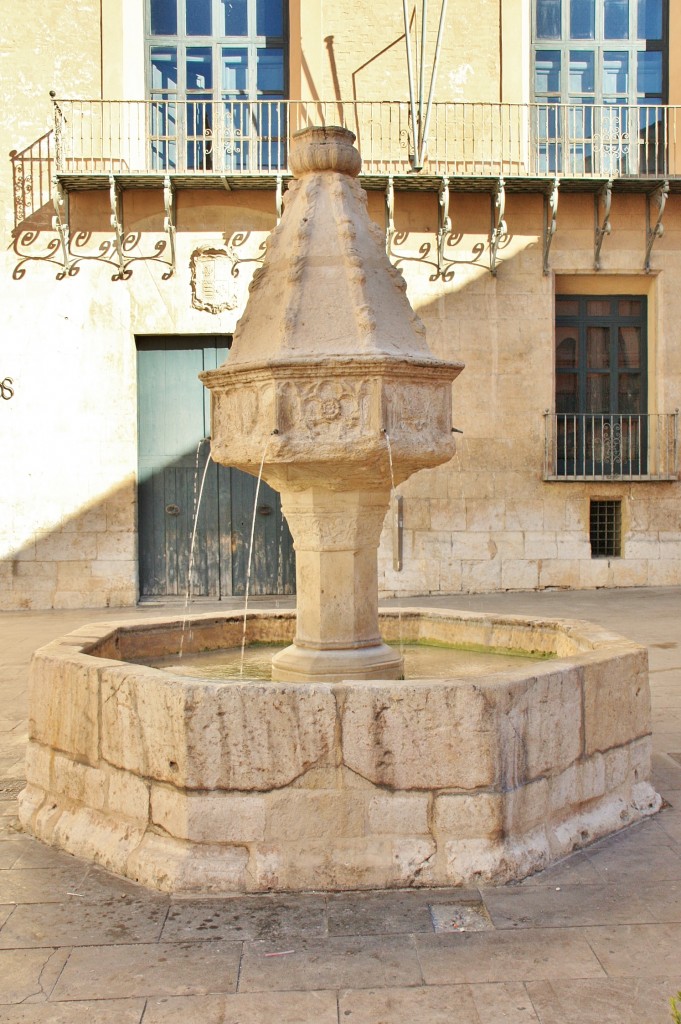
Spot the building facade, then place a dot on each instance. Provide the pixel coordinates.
(532, 202)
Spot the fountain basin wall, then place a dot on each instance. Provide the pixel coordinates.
(244, 786)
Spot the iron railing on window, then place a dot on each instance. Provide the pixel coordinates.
(611, 446)
(225, 136)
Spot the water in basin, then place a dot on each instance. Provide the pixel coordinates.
(421, 661)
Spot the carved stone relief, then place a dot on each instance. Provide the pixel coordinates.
(212, 280)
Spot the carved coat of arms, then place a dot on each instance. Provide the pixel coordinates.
(212, 282)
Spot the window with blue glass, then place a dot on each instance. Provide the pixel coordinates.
(600, 85)
(216, 83)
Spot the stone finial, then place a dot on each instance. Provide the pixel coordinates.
(327, 148)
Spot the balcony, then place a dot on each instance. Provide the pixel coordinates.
(206, 139)
(611, 446)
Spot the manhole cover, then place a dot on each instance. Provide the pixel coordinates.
(10, 788)
(460, 917)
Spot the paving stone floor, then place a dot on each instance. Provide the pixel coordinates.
(594, 940)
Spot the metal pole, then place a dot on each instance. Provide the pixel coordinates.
(436, 58)
(410, 73)
(424, 15)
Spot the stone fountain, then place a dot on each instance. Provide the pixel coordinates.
(331, 388)
(337, 773)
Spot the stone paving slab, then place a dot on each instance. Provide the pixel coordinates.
(254, 917)
(256, 1008)
(621, 1001)
(82, 923)
(29, 975)
(95, 1011)
(383, 914)
(172, 969)
(439, 1004)
(638, 950)
(359, 961)
(565, 906)
(511, 955)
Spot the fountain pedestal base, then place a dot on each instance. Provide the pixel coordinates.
(305, 665)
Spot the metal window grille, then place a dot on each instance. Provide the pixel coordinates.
(605, 529)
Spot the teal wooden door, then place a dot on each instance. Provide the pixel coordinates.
(175, 470)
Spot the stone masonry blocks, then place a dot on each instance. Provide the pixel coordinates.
(247, 786)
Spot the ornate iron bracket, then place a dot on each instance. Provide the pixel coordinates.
(601, 230)
(550, 221)
(498, 223)
(117, 225)
(444, 224)
(389, 214)
(60, 221)
(169, 220)
(659, 197)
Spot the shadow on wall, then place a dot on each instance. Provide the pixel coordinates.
(88, 560)
(136, 542)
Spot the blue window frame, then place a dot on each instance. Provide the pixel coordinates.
(216, 79)
(600, 84)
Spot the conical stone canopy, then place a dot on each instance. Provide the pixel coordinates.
(326, 287)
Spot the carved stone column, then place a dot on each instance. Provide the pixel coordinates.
(336, 539)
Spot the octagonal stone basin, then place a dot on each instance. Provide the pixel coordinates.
(189, 785)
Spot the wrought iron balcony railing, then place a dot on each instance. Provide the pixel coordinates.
(611, 446)
(231, 137)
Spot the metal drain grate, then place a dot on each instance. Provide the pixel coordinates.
(460, 917)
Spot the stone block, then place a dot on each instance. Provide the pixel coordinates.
(616, 700)
(97, 837)
(420, 736)
(63, 690)
(481, 577)
(484, 516)
(241, 736)
(542, 731)
(208, 817)
(413, 861)
(525, 809)
(179, 867)
(416, 513)
(519, 574)
(665, 573)
(400, 814)
(79, 782)
(593, 572)
(38, 764)
(540, 545)
(447, 514)
(127, 796)
(298, 814)
(468, 816)
(58, 547)
(617, 768)
(117, 546)
(560, 573)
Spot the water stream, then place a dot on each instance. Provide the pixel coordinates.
(250, 558)
(198, 494)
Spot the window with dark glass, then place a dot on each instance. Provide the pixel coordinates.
(216, 84)
(600, 84)
(601, 384)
